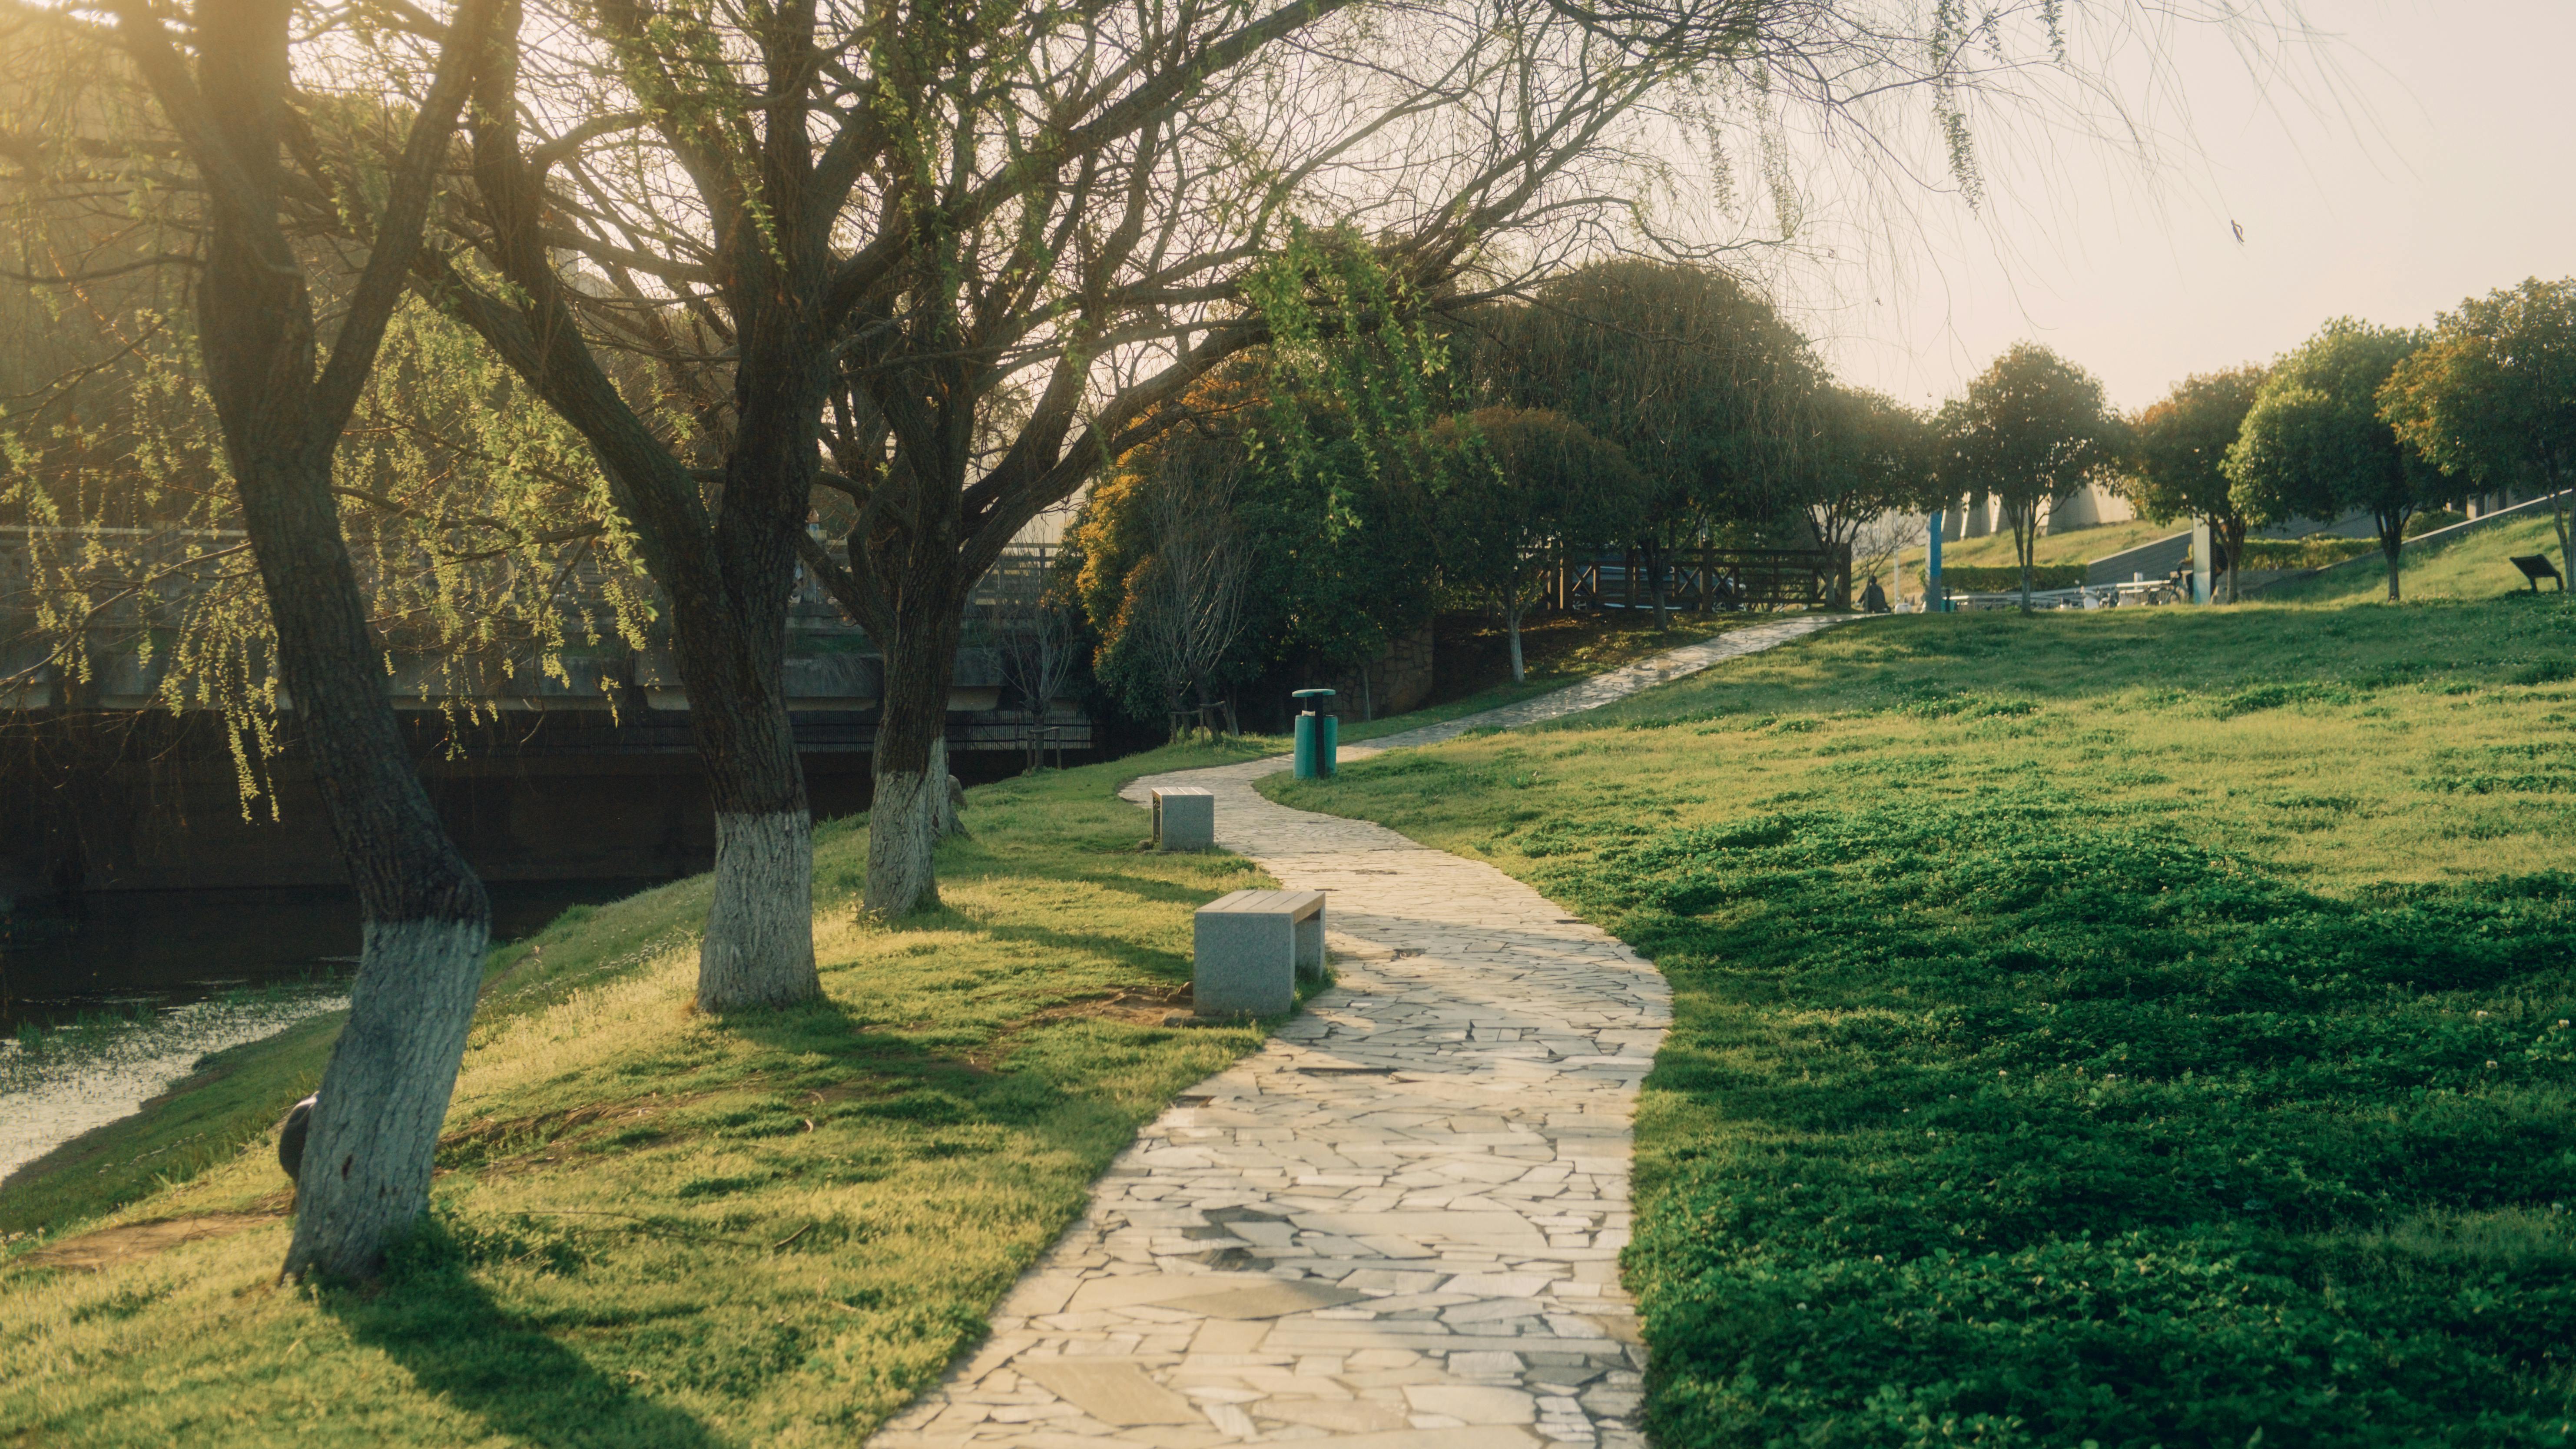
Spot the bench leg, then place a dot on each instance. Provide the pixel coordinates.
(1310, 944)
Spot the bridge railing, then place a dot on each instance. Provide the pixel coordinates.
(1705, 579)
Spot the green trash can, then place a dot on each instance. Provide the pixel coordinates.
(1317, 735)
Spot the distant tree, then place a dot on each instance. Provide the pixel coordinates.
(1174, 607)
(2315, 446)
(2178, 448)
(2491, 397)
(2030, 431)
(1520, 483)
(1691, 373)
(1863, 455)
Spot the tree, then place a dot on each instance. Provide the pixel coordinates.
(1861, 455)
(1182, 606)
(2491, 396)
(1689, 372)
(1521, 483)
(898, 215)
(384, 1094)
(2178, 451)
(2314, 444)
(2031, 430)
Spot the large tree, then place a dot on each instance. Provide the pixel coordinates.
(870, 230)
(2315, 446)
(2177, 450)
(1859, 456)
(2491, 396)
(1690, 372)
(222, 83)
(1518, 486)
(2029, 431)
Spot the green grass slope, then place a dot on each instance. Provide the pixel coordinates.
(2145, 1027)
(2475, 566)
(651, 1227)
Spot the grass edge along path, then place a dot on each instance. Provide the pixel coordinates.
(650, 1227)
(196, 1159)
(2052, 1061)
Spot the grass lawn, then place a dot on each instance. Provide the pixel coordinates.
(2142, 1027)
(1556, 650)
(2075, 546)
(650, 1227)
(2474, 566)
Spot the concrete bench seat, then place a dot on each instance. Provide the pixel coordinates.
(1249, 949)
(1185, 818)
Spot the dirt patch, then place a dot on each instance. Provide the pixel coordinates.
(96, 1252)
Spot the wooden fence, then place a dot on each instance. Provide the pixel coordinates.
(1706, 580)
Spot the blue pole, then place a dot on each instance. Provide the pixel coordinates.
(1934, 601)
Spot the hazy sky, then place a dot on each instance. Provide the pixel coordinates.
(2436, 160)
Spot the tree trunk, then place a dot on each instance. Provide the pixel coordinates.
(368, 1146)
(903, 823)
(1512, 626)
(385, 1090)
(759, 945)
(2392, 541)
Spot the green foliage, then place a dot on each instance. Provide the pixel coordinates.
(482, 533)
(2315, 446)
(1976, 580)
(1687, 370)
(1861, 454)
(2031, 428)
(2177, 446)
(2491, 396)
(1340, 555)
(1516, 483)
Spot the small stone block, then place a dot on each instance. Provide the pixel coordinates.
(1185, 819)
(1244, 952)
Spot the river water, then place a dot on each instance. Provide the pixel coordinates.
(105, 1005)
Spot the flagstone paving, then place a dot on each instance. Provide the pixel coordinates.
(1396, 1226)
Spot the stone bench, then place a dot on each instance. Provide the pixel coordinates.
(1185, 819)
(1250, 948)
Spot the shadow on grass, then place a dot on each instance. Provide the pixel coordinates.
(457, 1343)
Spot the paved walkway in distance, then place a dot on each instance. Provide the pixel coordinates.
(1397, 1225)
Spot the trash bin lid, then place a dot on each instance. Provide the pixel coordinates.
(1310, 694)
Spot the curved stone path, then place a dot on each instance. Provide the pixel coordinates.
(1397, 1225)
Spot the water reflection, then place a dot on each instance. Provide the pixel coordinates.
(105, 1005)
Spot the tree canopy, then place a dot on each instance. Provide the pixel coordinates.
(2178, 451)
(2490, 398)
(2030, 430)
(1690, 372)
(2315, 446)
(1519, 484)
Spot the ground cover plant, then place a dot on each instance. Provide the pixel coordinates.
(2144, 1027)
(651, 1227)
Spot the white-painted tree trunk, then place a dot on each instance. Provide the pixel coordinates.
(373, 1135)
(902, 830)
(759, 946)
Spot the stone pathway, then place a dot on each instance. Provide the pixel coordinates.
(1397, 1225)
